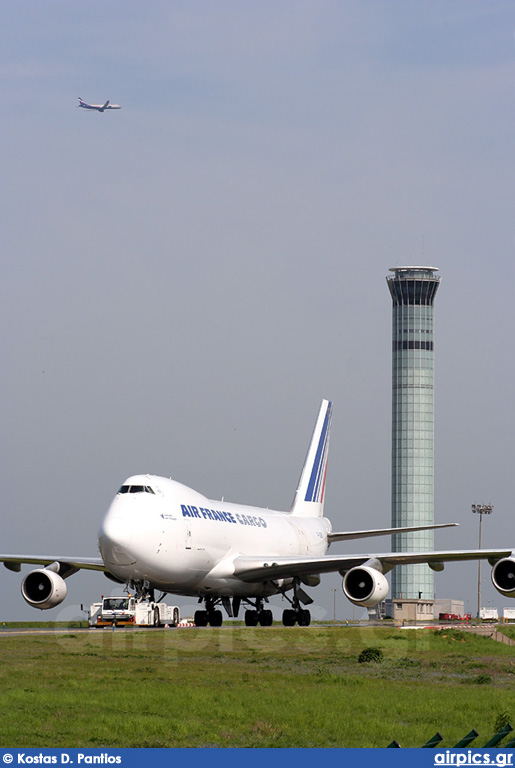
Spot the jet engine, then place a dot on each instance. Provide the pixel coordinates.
(365, 586)
(503, 576)
(43, 589)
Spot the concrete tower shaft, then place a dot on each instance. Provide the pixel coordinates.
(413, 290)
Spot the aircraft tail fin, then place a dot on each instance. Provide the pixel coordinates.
(309, 497)
(106, 104)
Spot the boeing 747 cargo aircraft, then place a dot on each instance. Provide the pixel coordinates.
(161, 535)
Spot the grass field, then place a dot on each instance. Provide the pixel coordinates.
(244, 687)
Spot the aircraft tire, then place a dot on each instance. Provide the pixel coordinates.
(251, 618)
(200, 618)
(266, 618)
(157, 618)
(289, 617)
(304, 618)
(215, 618)
(175, 617)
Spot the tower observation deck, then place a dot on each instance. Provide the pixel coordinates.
(413, 290)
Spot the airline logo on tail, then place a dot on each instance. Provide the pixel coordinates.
(309, 496)
(316, 486)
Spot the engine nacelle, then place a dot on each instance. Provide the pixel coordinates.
(43, 589)
(365, 586)
(503, 576)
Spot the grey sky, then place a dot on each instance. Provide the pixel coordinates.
(184, 280)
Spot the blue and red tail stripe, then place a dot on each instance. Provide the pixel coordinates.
(316, 486)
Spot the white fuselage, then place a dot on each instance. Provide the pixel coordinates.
(181, 542)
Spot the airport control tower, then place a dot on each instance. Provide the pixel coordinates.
(413, 291)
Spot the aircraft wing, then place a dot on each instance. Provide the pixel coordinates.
(254, 569)
(14, 562)
(345, 536)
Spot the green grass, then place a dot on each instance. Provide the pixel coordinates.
(244, 687)
(508, 630)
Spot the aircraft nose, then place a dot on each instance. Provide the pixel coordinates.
(117, 530)
(114, 540)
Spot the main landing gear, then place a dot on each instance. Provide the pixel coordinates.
(259, 615)
(302, 617)
(256, 614)
(212, 615)
(296, 614)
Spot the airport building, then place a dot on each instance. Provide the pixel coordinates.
(413, 291)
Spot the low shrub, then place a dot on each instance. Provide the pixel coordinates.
(502, 719)
(479, 680)
(370, 654)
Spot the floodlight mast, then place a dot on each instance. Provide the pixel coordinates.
(480, 509)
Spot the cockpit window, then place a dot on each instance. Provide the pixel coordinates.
(136, 489)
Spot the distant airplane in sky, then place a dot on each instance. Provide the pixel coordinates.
(160, 534)
(98, 107)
